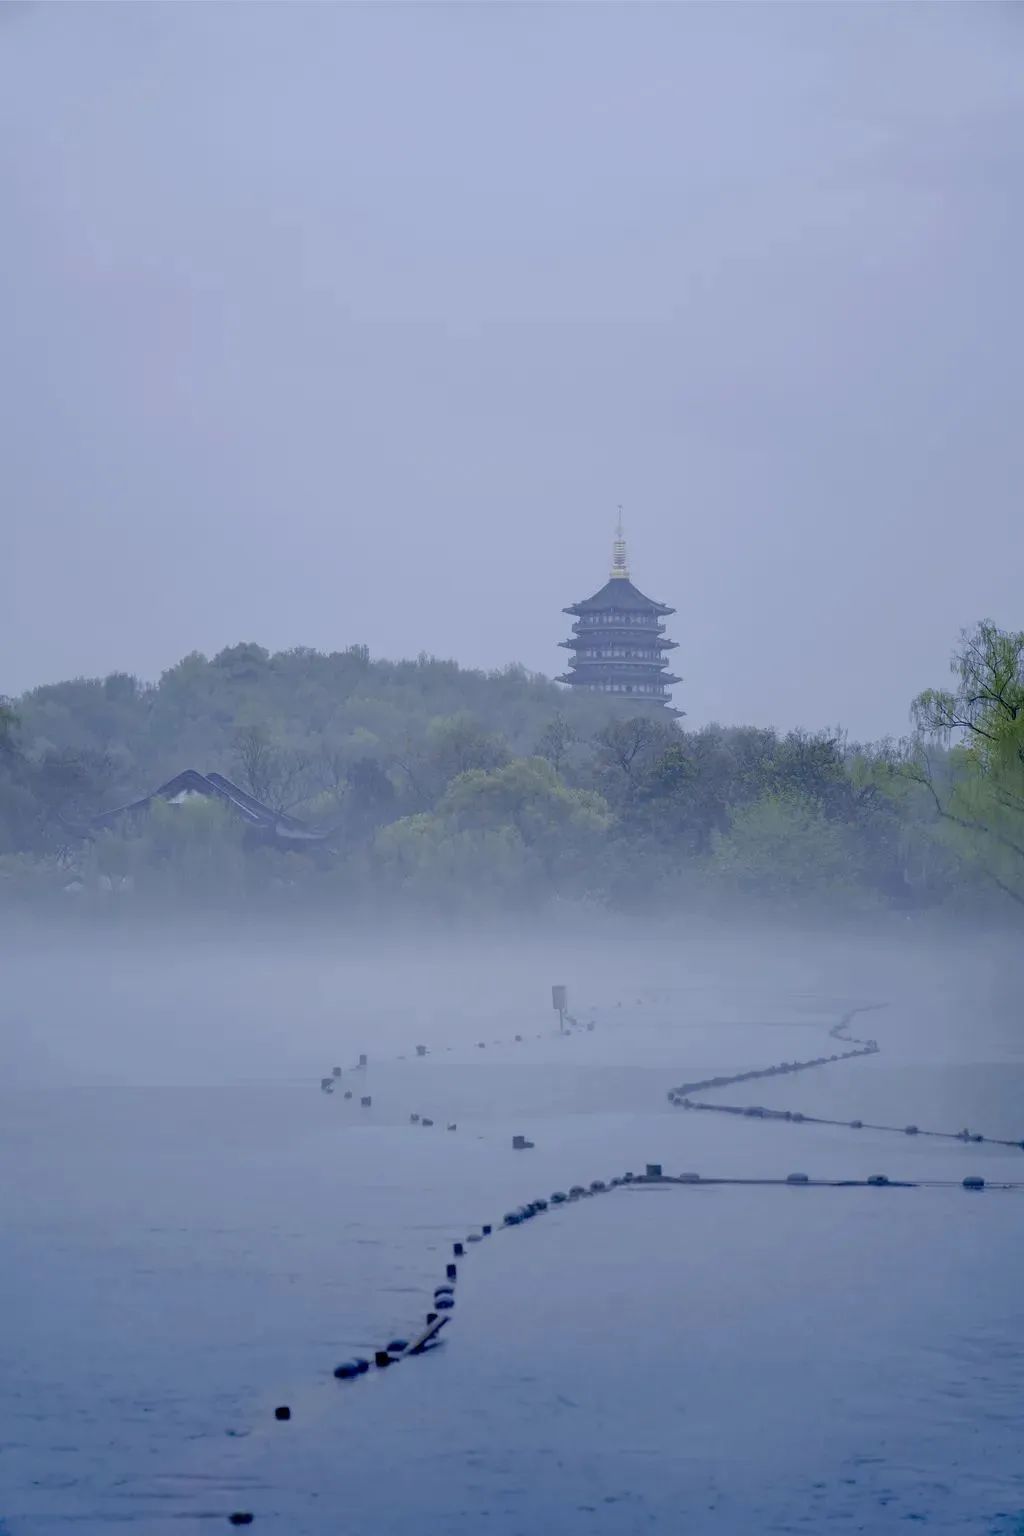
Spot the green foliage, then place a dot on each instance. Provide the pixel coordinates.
(178, 853)
(562, 828)
(513, 833)
(783, 845)
(458, 791)
(977, 789)
(434, 865)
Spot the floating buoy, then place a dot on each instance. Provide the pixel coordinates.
(797, 1178)
(559, 1197)
(335, 1071)
(974, 1181)
(241, 1517)
(443, 1290)
(347, 1370)
(451, 1271)
(398, 1346)
(598, 1186)
(458, 1250)
(486, 1229)
(414, 1119)
(444, 1303)
(689, 1178)
(366, 1100)
(348, 1095)
(878, 1178)
(910, 1130)
(282, 1413)
(421, 1050)
(425, 1121)
(381, 1359)
(362, 1061)
(452, 1127)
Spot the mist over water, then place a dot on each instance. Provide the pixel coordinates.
(334, 337)
(195, 1232)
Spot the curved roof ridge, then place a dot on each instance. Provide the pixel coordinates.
(618, 592)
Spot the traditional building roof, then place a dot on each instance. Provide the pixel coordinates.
(189, 784)
(618, 594)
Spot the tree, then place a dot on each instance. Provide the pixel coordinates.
(371, 798)
(624, 747)
(527, 795)
(555, 741)
(686, 792)
(69, 789)
(443, 867)
(277, 776)
(8, 725)
(977, 789)
(541, 836)
(194, 850)
(454, 744)
(782, 845)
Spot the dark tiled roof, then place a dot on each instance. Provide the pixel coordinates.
(214, 786)
(619, 593)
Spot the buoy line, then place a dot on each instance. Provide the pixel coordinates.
(444, 1294)
(681, 1095)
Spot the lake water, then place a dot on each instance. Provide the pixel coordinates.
(193, 1232)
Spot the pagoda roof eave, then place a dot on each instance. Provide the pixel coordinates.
(618, 593)
(586, 641)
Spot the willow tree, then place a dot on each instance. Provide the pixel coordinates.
(979, 791)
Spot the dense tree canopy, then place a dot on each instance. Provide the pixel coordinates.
(450, 790)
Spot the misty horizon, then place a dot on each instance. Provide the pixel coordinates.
(510, 1016)
(345, 326)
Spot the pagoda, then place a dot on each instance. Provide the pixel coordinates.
(618, 639)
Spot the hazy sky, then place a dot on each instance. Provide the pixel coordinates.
(326, 325)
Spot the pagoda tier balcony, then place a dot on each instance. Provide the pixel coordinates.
(642, 666)
(589, 622)
(654, 681)
(649, 686)
(642, 661)
(632, 693)
(608, 647)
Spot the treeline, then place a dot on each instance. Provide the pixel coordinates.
(447, 790)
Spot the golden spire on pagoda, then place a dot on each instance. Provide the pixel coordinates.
(620, 562)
